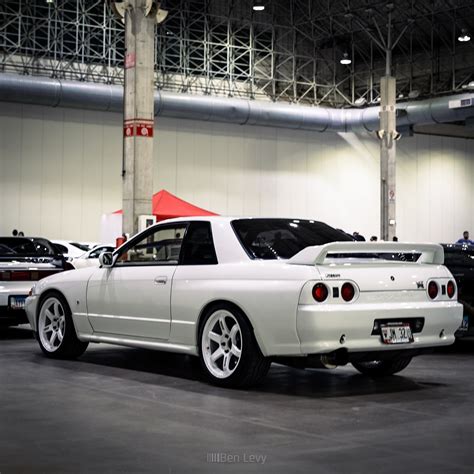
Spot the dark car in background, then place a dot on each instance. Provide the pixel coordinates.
(460, 261)
(23, 261)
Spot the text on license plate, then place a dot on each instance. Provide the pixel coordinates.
(17, 302)
(465, 323)
(396, 334)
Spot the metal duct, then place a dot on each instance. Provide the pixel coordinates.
(92, 96)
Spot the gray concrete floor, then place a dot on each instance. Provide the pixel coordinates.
(127, 410)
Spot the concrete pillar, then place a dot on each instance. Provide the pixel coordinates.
(138, 113)
(387, 134)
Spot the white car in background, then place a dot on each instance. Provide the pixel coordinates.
(23, 261)
(240, 293)
(91, 258)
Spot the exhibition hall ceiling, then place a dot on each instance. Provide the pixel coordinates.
(290, 51)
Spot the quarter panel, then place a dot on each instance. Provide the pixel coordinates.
(267, 292)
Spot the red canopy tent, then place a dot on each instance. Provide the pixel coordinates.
(166, 206)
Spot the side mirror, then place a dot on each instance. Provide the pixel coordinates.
(106, 259)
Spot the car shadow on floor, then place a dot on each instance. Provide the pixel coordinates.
(16, 332)
(164, 369)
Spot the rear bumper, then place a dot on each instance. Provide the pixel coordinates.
(320, 328)
(8, 316)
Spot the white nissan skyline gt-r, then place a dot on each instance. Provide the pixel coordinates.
(240, 293)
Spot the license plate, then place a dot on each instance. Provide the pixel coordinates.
(465, 323)
(396, 333)
(17, 302)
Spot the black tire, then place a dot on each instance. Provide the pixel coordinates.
(382, 368)
(70, 347)
(252, 365)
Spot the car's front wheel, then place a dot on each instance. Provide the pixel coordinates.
(229, 353)
(55, 329)
(381, 368)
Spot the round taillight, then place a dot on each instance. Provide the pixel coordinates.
(433, 290)
(451, 288)
(320, 292)
(347, 291)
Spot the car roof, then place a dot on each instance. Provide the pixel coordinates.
(459, 247)
(231, 218)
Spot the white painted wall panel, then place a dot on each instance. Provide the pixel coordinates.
(60, 169)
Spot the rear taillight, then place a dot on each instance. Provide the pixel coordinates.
(451, 288)
(320, 292)
(433, 290)
(20, 276)
(347, 292)
(25, 275)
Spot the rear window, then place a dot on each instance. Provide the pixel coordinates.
(24, 247)
(272, 239)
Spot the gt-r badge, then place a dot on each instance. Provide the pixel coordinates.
(419, 284)
(333, 275)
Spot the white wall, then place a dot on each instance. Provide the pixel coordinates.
(60, 171)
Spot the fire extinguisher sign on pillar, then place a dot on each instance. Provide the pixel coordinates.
(138, 128)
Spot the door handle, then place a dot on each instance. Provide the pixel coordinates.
(161, 280)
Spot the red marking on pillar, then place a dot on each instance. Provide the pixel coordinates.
(130, 60)
(138, 128)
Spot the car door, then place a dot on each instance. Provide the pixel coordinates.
(132, 298)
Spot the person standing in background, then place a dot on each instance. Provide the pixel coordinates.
(465, 240)
(373, 238)
(15, 233)
(358, 237)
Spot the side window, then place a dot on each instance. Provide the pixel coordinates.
(161, 247)
(60, 249)
(458, 259)
(198, 246)
(97, 252)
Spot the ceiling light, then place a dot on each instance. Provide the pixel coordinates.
(464, 36)
(414, 94)
(49, 1)
(361, 101)
(471, 85)
(345, 59)
(258, 6)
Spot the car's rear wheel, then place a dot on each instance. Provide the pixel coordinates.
(55, 329)
(229, 353)
(381, 368)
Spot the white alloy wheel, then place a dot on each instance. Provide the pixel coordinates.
(221, 344)
(51, 324)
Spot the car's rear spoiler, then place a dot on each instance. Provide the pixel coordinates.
(430, 253)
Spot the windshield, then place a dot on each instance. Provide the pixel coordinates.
(272, 239)
(82, 247)
(25, 247)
